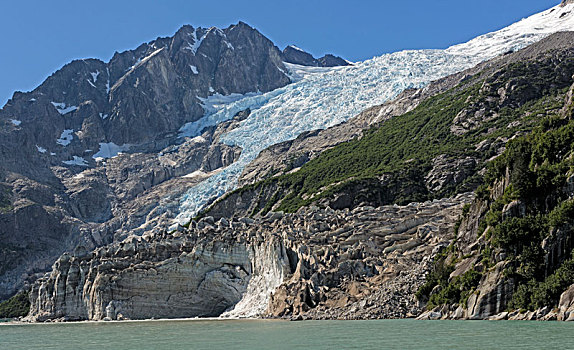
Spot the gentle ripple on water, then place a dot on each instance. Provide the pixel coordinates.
(248, 334)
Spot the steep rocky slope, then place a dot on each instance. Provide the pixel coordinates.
(62, 181)
(316, 263)
(514, 247)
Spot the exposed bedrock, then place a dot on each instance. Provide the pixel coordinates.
(317, 263)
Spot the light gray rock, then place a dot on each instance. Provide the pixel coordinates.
(276, 266)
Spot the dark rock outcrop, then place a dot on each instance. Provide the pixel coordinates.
(295, 55)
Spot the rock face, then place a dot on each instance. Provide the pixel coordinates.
(293, 54)
(492, 295)
(143, 278)
(448, 173)
(317, 263)
(63, 181)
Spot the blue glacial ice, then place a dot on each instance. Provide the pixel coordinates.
(320, 98)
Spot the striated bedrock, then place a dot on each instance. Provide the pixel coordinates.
(183, 275)
(316, 263)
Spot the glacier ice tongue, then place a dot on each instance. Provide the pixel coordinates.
(323, 98)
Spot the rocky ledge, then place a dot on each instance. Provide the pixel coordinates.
(314, 264)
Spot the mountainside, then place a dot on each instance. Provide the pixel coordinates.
(201, 175)
(374, 262)
(62, 182)
(433, 151)
(324, 97)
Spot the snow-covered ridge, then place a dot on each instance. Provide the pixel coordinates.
(520, 34)
(320, 99)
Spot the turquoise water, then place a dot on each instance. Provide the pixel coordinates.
(247, 334)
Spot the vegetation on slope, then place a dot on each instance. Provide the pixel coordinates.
(5, 200)
(17, 306)
(538, 244)
(401, 150)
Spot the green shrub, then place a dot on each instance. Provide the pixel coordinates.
(533, 294)
(18, 305)
(562, 214)
(457, 291)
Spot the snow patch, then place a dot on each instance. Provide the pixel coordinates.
(197, 173)
(193, 69)
(95, 76)
(66, 137)
(196, 42)
(110, 150)
(296, 48)
(41, 149)
(15, 122)
(137, 64)
(79, 161)
(62, 108)
(103, 116)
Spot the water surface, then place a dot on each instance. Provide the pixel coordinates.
(257, 334)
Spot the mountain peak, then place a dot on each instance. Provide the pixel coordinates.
(296, 55)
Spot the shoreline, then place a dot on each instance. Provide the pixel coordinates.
(255, 319)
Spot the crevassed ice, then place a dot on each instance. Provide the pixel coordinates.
(218, 108)
(318, 100)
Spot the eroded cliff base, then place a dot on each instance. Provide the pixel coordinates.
(314, 264)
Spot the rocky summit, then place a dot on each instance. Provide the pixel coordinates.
(293, 54)
(210, 174)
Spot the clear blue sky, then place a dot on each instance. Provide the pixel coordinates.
(40, 36)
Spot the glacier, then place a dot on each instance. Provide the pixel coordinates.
(321, 98)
